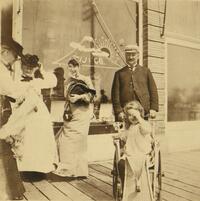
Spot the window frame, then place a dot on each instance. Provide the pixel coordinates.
(189, 130)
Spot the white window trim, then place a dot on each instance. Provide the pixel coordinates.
(182, 40)
(17, 20)
(140, 27)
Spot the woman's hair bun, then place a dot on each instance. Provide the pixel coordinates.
(73, 61)
(30, 60)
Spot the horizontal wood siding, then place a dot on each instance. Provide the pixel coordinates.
(156, 49)
(156, 64)
(154, 52)
(155, 18)
(154, 34)
(160, 80)
(156, 5)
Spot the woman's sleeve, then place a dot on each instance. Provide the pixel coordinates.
(9, 87)
(49, 81)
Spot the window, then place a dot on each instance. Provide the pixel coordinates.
(50, 28)
(183, 82)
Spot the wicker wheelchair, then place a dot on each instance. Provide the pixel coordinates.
(153, 169)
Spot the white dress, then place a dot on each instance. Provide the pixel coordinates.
(35, 147)
(137, 146)
(72, 140)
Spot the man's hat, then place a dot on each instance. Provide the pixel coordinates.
(13, 45)
(131, 48)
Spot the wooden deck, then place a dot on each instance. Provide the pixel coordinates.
(181, 182)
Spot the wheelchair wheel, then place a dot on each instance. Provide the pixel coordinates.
(159, 179)
(156, 178)
(117, 181)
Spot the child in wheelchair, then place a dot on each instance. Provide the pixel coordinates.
(135, 144)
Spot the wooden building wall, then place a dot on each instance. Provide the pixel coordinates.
(153, 52)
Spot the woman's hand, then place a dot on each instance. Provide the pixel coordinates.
(9, 140)
(40, 67)
(20, 100)
(74, 97)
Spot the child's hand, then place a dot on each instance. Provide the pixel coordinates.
(122, 136)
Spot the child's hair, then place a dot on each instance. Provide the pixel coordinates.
(132, 105)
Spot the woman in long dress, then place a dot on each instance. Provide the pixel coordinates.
(138, 145)
(30, 126)
(72, 139)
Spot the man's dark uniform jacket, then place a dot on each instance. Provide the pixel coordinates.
(131, 85)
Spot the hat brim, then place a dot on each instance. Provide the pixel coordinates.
(132, 51)
(13, 45)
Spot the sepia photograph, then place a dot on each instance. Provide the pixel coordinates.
(100, 100)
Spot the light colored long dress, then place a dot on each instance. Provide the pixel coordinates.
(137, 146)
(36, 148)
(72, 141)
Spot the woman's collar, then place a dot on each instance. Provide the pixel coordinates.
(74, 76)
(6, 64)
(78, 77)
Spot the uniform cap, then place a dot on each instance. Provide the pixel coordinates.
(131, 48)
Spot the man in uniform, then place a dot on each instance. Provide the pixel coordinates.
(133, 82)
(11, 186)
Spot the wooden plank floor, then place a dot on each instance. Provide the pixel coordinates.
(180, 183)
